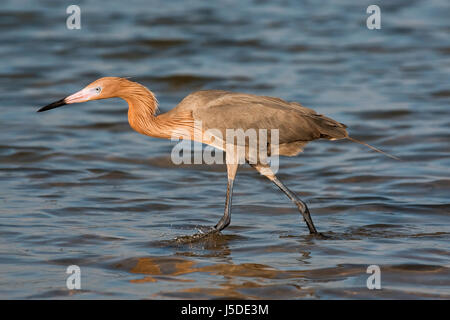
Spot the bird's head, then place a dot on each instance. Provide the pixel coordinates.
(103, 88)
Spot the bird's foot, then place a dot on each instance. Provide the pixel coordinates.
(202, 234)
(208, 230)
(319, 235)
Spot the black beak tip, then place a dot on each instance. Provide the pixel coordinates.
(53, 105)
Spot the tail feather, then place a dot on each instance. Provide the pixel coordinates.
(373, 148)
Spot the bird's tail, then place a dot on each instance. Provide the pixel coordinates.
(373, 148)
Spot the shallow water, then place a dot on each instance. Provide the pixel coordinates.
(78, 186)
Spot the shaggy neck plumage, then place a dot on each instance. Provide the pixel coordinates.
(142, 109)
(139, 98)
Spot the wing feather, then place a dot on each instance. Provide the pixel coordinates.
(245, 111)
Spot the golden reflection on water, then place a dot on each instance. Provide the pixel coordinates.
(261, 281)
(234, 277)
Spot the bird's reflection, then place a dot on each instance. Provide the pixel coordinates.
(234, 280)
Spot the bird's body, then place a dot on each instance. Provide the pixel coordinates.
(217, 111)
(223, 110)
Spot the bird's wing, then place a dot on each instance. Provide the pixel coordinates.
(246, 111)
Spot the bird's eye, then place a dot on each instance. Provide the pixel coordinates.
(98, 89)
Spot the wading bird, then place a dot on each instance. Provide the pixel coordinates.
(220, 110)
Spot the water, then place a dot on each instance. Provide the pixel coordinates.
(78, 186)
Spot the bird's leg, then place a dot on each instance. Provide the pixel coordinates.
(226, 219)
(302, 207)
(265, 170)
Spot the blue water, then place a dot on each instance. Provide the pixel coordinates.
(79, 187)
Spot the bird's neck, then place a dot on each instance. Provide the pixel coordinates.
(142, 108)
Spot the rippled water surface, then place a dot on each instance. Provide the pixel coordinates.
(78, 186)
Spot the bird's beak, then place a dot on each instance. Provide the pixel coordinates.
(53, 105)
(81, 96)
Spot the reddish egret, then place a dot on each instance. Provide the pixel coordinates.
(220, 110)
